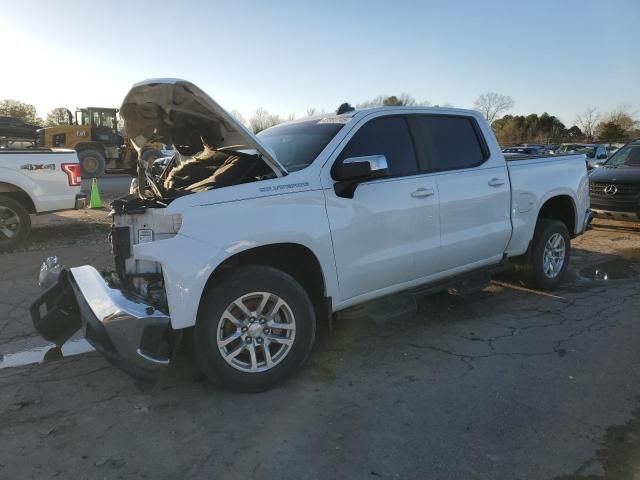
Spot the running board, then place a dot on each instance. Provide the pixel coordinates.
(463, 284)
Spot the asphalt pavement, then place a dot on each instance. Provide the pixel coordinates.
(505, 383)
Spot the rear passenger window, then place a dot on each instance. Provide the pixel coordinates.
(388, 136)
(446, 142)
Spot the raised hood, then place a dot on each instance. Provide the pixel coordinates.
(174, 111)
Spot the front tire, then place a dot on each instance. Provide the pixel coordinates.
(15, 223)
(92, 163)
(256, 327)
(545, 265)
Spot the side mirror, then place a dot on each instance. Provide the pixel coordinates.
(361, 168)
(355, 170)
(602, 156)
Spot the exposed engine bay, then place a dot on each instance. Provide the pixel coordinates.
(214, 149)
(210, 169)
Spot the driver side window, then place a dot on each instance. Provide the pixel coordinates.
(388, 136)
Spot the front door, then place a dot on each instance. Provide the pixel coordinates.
(377, 233)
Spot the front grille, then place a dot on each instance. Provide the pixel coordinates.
(622, 191)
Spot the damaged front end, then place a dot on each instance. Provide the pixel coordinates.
(131, 332)
(125, 313)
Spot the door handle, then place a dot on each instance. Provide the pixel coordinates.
(422, 192)
(496, 182)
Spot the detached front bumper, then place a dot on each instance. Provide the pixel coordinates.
(133, 335)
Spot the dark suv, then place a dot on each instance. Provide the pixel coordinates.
(615, 187)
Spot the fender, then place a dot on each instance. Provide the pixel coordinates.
(560, 192)
(200, 247)
(15, 179)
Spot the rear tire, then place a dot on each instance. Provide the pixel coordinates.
(254, 348)
(544, 267)
(92, 163)
(15, 223)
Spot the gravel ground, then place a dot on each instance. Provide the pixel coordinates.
(506, 383)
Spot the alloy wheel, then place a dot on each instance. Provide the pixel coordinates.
(554, 255)
(256, 332)
(9, 223)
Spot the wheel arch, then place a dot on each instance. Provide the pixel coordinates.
(295, 259)
(18, 194)
(560, 207)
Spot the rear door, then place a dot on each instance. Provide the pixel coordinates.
(474, 189)
(377, 233)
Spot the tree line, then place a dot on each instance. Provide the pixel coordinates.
(620, 124)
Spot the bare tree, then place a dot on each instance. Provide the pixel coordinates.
(393, 100)
(238, 116)
(58, 116)
(492, 104)
(311, 112)
(262, 120)
(588, 121)
(624, 117)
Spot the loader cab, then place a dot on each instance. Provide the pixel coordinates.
(103, 123)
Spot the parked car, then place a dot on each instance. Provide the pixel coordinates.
(257, 239)
(615, 187)
(523, 150)
(596, 153)
(551, 148)
(35, 181)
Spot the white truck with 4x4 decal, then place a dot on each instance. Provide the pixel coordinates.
(35, 181)
(253, 241)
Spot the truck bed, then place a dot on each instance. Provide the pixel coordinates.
(536, 178)
(512, 157)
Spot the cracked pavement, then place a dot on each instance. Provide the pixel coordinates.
(502, 383)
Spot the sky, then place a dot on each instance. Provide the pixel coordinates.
(287, 56)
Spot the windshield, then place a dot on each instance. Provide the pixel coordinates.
(587, 150)
(627, 156)
(297, 145)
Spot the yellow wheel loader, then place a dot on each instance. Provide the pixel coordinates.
(94, 135)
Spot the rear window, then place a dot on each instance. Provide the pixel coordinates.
(447, 142)
(297, 145)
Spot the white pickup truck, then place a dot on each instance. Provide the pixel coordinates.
(35, 181)
(254, 240)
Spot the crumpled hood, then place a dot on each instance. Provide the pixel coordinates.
(174, 111)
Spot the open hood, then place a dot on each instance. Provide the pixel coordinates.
(174, 111)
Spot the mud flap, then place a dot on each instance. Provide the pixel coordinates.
(55, 313)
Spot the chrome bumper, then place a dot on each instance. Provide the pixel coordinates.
(131, 334)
